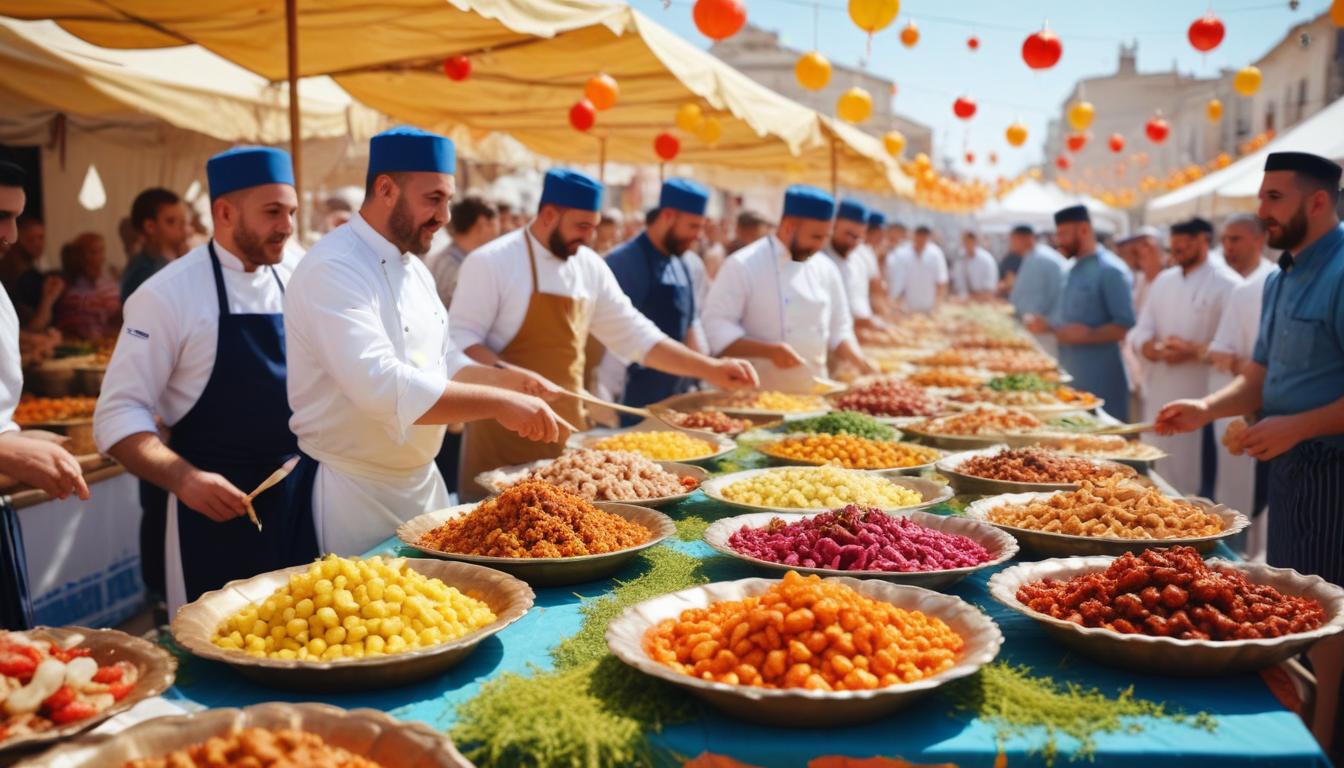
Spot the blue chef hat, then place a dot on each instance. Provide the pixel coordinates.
(571, 189)
(243, 167)
(876, 219)
(853, 210)
(410, 150)
(684, 195)
(807, 202)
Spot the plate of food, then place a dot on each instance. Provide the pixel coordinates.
(711, 421)
(658, 444)
(618, 476)
(1136, 454)
(821, 489)
(888, 399)
(773, 403)
(980, 427)
(1000, 469)
(850, 452)
(539, 533)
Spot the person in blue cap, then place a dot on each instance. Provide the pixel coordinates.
(528, 301)
(846, 251)
(665, 285)
(1095, 311)
(774, 303)
(374, 378)
(204, 350)
(873, 254)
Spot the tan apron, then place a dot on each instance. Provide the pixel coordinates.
(550, 342)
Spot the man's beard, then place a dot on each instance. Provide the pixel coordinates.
(252, 247)
(561, 247)
(1069, 249)
(841, 251)
(1291, 233)
(675, 246)
(406, 234)
(797, 252)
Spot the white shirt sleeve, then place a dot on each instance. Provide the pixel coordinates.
(1229, 328)
(940, 265)
(11, 364)
(475, 302)
(1146, 327)
(616, 323)
(139, 371)
(726, 305)
(842, 321)
(984, 273)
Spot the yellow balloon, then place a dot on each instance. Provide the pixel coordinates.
(1081, 114)
(813, 71)
(711, 131)
(690, 117)
(1016, 134)
(894, 141)
(873, 15)
(1337, 13)
(1214, 110)
(854, 105)
(922, 161)
(1247, 80)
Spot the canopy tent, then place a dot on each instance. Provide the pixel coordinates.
(535, 54)
(1234, 188)
(1035, 203)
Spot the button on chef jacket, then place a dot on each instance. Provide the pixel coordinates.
(1097, 292)
(369, 354)
(917, 276)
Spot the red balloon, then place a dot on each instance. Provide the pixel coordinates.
(1075, 141)
(457, 68)
(1157, 130)
(973, 43)
(1206, 32)
(666, 146)
(1042, 49)
(719, 19)
(970, 158)
(582, 115)
(1116, 142)
(1063, 162)
(963, 107)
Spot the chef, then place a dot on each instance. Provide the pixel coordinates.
(1174, 329)
(1295, 381)
(773, 302)
(1038, 281)
(1093, 314)
(917, 274)
(373, 377)
(527, 301)
(846, 251)
(204, 349)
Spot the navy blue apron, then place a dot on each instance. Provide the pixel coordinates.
(239, 428)
(671, 307)
(16, 606)
(1306, 511)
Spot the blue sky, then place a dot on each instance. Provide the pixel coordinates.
(931, 75)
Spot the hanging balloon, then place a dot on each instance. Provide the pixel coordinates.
(973, 43)
(854, 105)
(963, 107)
(1206, 32)
(1075, 141)
(582, 115)
(1247, 81)
(1016, 134)
(457, 68)
(873, 15)
(690, 117)
(602, 91)
(1214, 110)
(922, 161)
(1081, 114)
(1157, 129)
(1337, 13)
(666, 146)
(1116, 142)
(719, 19)
(993, 158)
(894, 141)
(812, 71)
(910, 35)
(1063, 162)
(1042, 50)
(710, 131)
(970, 157)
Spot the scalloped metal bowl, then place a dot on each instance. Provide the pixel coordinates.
(497, 480)
(1165, 655)
(1065, 545)
(195, 625)
(933, 493)
(589, 439)
(366, 732)
(157, 667)
(795, 707)
(1001, 546)
(546, 571)
(787, 461)
(975, 485)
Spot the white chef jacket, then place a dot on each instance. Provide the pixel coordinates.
(918, 276)
(854, 274)
(762, 293)
(894, 268)
(368, 350)
(166, 354)
(11, 364)
(978, 273)
(1189, 306)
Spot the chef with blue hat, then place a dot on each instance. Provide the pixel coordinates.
(374, 376)
(528, 300)
(204, 349)
(852, 256)
(775, 304)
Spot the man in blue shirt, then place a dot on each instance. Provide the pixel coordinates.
(652, 272)
(1038, 281)
(1094, 311)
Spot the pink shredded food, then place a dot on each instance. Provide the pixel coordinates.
(858, 539)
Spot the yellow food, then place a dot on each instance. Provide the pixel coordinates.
(666, 445)
(851, 452)
(342, 608)
(771, 400)
(1117, 510)
(819, 487)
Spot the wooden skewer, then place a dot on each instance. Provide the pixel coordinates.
(587, 398)
(275, 477)
(1127, 429)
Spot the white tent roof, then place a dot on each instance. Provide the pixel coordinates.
(1035, 203)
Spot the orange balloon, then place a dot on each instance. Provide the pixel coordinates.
(910, 35)
(602, 91)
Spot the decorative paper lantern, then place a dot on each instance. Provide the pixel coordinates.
(894, 141)
(1247, 81)
(710, 131)
(602, 91)
(970, 157)
(922, 161)
(1075, 141)
(666, 146)
(963, 107)
(910, 35)
(1157, 129)
(1116, 143)
(1042, 50)
(1206, 32)
(1214, 110)
(854, 105)
(1063, 162)
(719, 19)
(690, 117)
(457, 68)
(1081, 114)
(812, 71)
(993, 158)
(973, 43)
(873, 15)
(1016, 134)
(1337, 13)
(582, 115)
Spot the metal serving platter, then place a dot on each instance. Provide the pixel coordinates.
(497, 480)
(975, 485)
(931, 493)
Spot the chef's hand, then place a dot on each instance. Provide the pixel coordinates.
(733, 373)
(1224, 361)
(532, 383)
(531, 418)
(1177, 350)
(211, 495)
(1274, 436)
(1154, 350)
(42, 465)
(45, 436)
(1182, 416)
(783, 356)
(1036, 323)
(1073, 333)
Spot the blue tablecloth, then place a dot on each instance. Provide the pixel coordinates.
(1253, 728)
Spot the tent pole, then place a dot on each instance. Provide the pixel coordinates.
(835, 185)
(602, 160)
(295, 131)
(662, 168)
